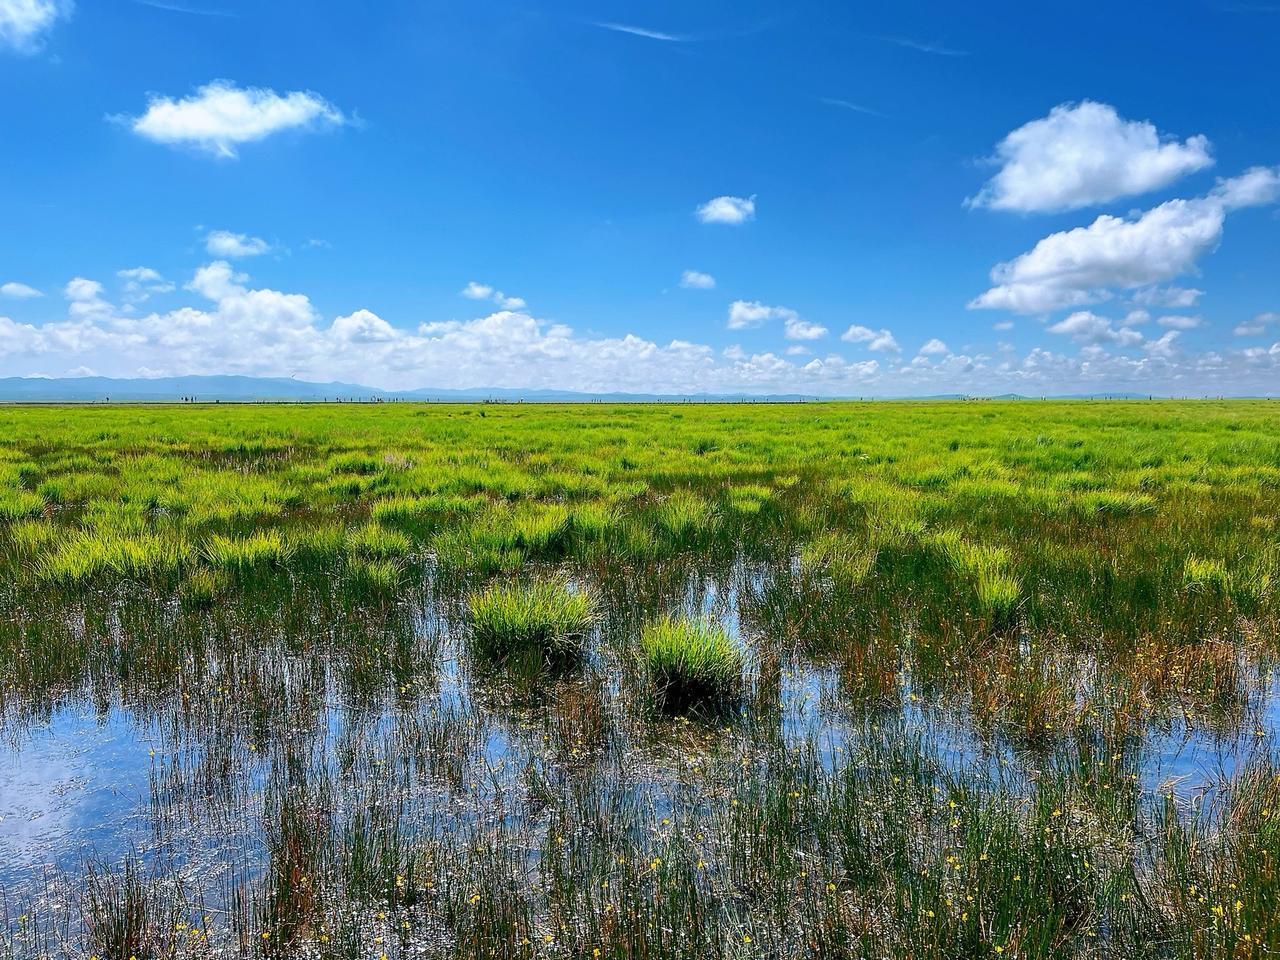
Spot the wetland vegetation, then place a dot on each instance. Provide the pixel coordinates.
(899, 680)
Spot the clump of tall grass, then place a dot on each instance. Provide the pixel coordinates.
(19, 505)
(996, 591)
(684, 517)
(749, 499)
(1116, 503)
(317, 542)
(376, 542)
(380, 576)
(243, 554)
(85, 554)
(545, 616)
(690, 662)
(416, 511)
(29, 537)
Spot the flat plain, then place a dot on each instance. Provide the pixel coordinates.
(902, 680)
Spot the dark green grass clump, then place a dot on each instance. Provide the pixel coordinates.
(544, 616)
(691, 662)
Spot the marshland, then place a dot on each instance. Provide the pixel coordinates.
(899, 680)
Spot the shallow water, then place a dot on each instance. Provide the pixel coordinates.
(95, 782)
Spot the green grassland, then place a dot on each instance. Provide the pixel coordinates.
(825, 680)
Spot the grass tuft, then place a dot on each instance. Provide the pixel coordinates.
(545, 616)
(691, 662)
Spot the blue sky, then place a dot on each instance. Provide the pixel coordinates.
(219, 186)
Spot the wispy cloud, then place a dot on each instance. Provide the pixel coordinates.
(183, 8)
(850, 105)
(644, 32)
(938, 49)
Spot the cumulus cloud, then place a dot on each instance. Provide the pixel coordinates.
(1164, 347)
(730, 210)
(874, 339)
(19, 291)
(363, 326)
(1086, 327)
(746, 315)
(220, 116)
(798, 329)
(1083, 154)
(1083, 266)
(483, 291)
(257, 331)
(1258, 325)
(232, 246)
(217, 281)
(934, 347)
(24, 24)
(697, 280)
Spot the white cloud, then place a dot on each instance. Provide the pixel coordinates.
(1002, 325)
(228, 245)
(1164, 347)
(798, 329)
(1173, 297)
(483, 291)
(220, 117)
(24, 24)
(19, 291)
(217, 281)
(934, 347)
(697, 280)
(730, 210)
(81, 290)
(1180, 322)
(1083, 266)
(1088, 328)
(363, 326)
(874, 339)
(85, 300)
(745, 315)
(1083, 154)
(141, 282)
(264, 332)
(1256, 187)
(1258, 325)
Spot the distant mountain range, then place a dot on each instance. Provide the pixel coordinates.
(236, 389)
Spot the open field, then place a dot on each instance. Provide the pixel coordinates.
(923, 680)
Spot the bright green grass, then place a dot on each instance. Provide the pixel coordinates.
(690, 661)
(543, 616)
